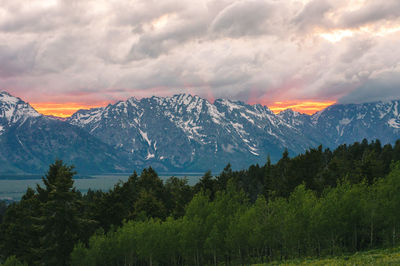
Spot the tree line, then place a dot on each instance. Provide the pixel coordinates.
(320, 202)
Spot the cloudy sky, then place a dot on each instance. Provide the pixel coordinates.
(278, 53)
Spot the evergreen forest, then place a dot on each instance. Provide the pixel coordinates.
(320, 203)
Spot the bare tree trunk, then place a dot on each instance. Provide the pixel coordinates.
(298, 248)
(355, 238)
(393, 235)
(371, 234)
(198, 259)
(240, 257)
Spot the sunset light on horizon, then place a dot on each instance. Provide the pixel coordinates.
(65, 110)
(62, 110)
(306, 107)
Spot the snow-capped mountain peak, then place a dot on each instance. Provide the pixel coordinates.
(13, 109)
(345, 123)
(186, 132)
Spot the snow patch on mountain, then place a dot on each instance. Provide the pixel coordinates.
(247, 117)
(396, 109)
(216, 116)
(86, 116)
(395, 123)
(345, 121)
(8, 98)
(188, 130)
(149, 155)
(13, 109)
(145, 137)
(360, 116)
(253, 151)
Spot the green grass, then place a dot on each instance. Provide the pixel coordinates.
(373, 257)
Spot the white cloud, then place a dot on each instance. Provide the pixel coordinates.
(249, 49)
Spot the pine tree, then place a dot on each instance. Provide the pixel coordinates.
(60, 224)
(3, 208)
(206, 183)
(18, 234)
(222, 179)
(179, 195)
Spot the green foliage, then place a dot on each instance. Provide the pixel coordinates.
(319, 203)
(195, 228)
(60, 223)
(206, 184)
(13, 261)
(318, 169)
(3, 208)
(19, 235)
(179, 194)
(45, 225)
(373, 257)
(230, 230)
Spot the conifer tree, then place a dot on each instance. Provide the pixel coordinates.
(60, 224)
(206, 183)
(17, 231)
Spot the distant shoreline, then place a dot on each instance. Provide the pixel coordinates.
(93, 176)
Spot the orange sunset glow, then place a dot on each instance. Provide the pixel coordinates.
(61, 109)
(307, 107)
(67, 109)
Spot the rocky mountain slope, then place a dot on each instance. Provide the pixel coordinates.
(188, 132)
(347, 123)
(29, 142)
(181, 133)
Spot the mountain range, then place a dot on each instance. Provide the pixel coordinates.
(180, 133)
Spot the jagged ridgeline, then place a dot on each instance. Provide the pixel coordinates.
(180, 133)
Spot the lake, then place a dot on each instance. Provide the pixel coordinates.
(12, 187)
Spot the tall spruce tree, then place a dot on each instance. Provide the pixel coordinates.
(60, 224)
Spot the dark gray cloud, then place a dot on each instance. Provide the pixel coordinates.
(154, 44)
(370, 12)
(255, 50)
(383, 88)
(17, 61)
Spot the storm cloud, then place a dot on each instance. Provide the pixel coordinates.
(251, 50)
